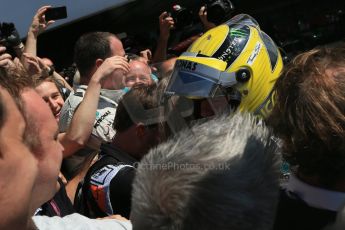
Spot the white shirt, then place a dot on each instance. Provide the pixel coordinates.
(315, 196)
(78, 222)
(103, 130)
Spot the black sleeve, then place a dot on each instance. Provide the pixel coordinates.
(59, 205)
(120, 191)
(62, 200)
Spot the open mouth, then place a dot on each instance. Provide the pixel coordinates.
(57, 115)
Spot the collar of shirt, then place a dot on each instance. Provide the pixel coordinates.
(111, 149)
(114, 95)
(315, 196)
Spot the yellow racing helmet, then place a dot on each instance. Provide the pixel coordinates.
(236, 59)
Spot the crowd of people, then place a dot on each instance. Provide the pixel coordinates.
(157, 141)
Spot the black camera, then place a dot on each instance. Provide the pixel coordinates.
(69, 72)
(9, 36)
(182, 16)
(218, 11)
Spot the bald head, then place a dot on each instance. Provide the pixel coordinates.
(140, 73)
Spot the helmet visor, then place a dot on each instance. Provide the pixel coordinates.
(185, 83)
(195, 80)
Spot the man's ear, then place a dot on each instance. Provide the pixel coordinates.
(140, 130)
(99, 62)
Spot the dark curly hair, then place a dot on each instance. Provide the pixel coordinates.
(309, 114)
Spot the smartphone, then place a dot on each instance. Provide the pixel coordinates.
(56, 13)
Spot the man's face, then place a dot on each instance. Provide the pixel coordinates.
(139, 73)
(51, 95)
(18, 166)
(46, 147)
(13, 128)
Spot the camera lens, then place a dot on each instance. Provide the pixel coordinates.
(215, 14)
(219, 11)
(182, 16)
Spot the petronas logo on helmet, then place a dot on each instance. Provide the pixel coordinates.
(186, 65)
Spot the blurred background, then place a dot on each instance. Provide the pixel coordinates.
(295, 25)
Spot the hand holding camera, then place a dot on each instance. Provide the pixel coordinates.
(203, 18)
(166, 22)
(213, 13)
(45, 16)
(182, 16)
(39, 23)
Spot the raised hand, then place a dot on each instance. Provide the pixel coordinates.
(31, 64)
(39, 23)
(147, 54)
(109, 65)
(203, 18)
(165, 24)
(5, 58)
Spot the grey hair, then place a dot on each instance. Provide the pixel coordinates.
(222, 174)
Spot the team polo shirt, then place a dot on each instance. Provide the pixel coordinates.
(103, 130)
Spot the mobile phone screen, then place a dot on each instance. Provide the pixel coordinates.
(56, 13)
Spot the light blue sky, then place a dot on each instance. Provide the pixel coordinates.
(21, 12)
